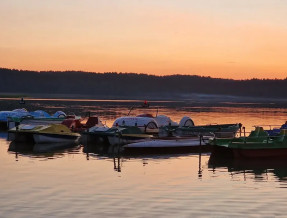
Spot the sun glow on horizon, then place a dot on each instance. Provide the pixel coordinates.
(222, 39)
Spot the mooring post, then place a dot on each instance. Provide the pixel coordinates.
(244, 134)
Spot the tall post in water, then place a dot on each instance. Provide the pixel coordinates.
(244, 134)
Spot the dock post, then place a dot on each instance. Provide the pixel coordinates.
(244, 134)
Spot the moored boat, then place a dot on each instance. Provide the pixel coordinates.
(122, 136)
(37, 117)
(53, 133)
(114, 136)
(169, 145)
(78, 124)
(257, 145)
(162, 125)
(220, 130)
(17, 113)
(276, 131)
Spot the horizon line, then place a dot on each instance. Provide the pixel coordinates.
(147, 74)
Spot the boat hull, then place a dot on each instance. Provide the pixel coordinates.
(123, 140)
(220, 130)
(248, 153)
(260, 153)
(3, 125)
(40, 138)
(20, 137)
(94, 139)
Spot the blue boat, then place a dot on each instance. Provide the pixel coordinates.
(276, 131)
(9, 119)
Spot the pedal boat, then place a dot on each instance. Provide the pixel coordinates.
(257, 145)
(53, 133)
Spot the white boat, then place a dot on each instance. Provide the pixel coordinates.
(169, 144)
(149, 124)
(41, 138)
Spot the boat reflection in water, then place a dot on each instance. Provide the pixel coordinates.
(42, 150)
(261, 169)
(168, 145)
(117, 154)
(3, 135)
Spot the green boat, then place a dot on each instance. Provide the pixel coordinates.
(257, 145)
(219, 130)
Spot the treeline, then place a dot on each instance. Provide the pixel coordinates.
(131, 84)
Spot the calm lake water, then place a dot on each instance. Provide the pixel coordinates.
(76, 182)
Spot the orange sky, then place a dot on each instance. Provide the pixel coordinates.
(219, 38)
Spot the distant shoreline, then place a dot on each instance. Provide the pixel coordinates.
(219, 101)
(128, 86)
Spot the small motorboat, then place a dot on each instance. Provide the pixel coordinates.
(53, 133)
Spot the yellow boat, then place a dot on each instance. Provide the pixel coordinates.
(53, 133)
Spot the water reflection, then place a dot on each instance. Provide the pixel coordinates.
(48, 151)
(107, 182)
(3, 135)
(260, 169)
(115, 154)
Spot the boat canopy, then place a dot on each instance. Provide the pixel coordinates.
(40, 114)
(59, 114)
(15, 113)
(186, 122)
(163, 120)
(135, 121)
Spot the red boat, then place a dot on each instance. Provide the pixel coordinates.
(82, 124)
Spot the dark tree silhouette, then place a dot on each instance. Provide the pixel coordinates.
(132, 85)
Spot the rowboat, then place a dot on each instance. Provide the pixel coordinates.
(169, 144)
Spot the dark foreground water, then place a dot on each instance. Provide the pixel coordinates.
(76, 182)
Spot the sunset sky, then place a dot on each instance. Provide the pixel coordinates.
(219, 38)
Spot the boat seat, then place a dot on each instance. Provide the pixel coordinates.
(92, 121)
(257, 135)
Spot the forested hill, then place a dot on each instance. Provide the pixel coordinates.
(132, 85)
